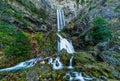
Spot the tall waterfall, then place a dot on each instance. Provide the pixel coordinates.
(60, 19)
(65, 44)
(62, 43)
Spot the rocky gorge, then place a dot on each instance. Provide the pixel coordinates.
(92, 26)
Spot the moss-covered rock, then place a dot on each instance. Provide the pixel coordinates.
(82, 58)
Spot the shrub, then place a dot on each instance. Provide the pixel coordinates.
(20, 47)
(101, 31)
(7, 33)
(40, 40)
(15, 43)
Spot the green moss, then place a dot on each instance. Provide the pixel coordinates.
(7, 33)
(51, 42)
(42, 13)
(15, 43)
(29, 5)
(83, 58)
(92, 7)
(18, 15)
(117, 8)
(19, 47)
(40, 40)
(117, 56)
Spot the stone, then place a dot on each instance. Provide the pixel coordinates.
(111, 57)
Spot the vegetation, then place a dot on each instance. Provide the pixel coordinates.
(20, 47)
(101, 31)
(40, 40)
(15, 43)
(28, 4)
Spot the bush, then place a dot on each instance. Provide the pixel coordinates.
(101, 31)
(40, 40)
(7, 33)
(20, 47)
(15, 43)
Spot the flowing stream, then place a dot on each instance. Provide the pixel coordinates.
(22, 65)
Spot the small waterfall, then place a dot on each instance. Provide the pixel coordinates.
(57, 64)
(70, 65)
(65, 44)
(77, 76)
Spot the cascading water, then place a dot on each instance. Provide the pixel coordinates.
(70, 65)
(65, 44)
(62, 43)
(23, 65)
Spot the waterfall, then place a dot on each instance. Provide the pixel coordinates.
(77, 76)
(60, 19)
(62, 43)
(70, 65)
(57, 64)
(65, 44)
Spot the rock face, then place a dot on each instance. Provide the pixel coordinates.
(24, 15)
(109, 52)
(70, 7)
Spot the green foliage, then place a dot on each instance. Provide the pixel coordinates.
(7, 33)
(51, 42)
(40, 40)
(20, 47)
(83, 1)
(93, 7)
(15, 43)
(117, 8)
(100, 31)
(42, 13)
(32, 7)
(28, 4)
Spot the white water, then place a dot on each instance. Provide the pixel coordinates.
(22, 65)
(65, 44)
(77, 76)
(70, 65)
(60, 19)
(57, 64)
